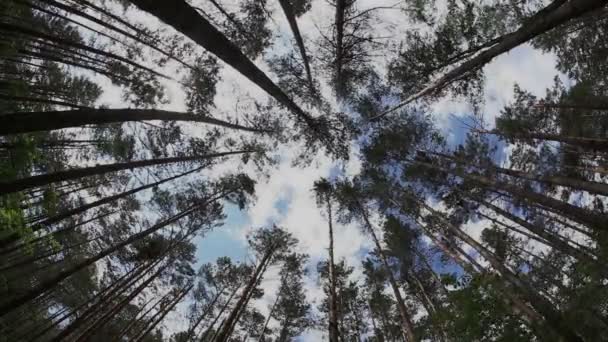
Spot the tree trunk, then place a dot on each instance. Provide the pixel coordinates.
(590, 144)
(406, 322)
(164, 314)
(578, 214)
(41, 180)
(185, 19)
(553, 317)
(333, 317)
(73, 10)
(224, 334)
(209, 309)
(88, 314)
(340, 9)
(208, 330)
(293, 24)
(556, 242)
(263, 332)
(77, 211)
(555, 14)
(26, 122)
(114, 310)
(55, 279)
(135, 319)
(98, 297)
(573, 183)
(65, 42)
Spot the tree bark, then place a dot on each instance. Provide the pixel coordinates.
(555, 14)
(554, 241)
(590, 144)
(164, 314)
(263, 332)
(333, 317)
(575, 213)
(7, 187)
(339, 23)
(553, 317)
(293, 24)
(406, 322)
(27, 122)
(185, 19)
(55, 279)
(114, 310)
(209, 308)
(224, 334)
(208, 330)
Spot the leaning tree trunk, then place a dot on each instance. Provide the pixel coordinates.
(590, 144)
(217, 317)
(224, 334)
(7, 187)
(185, 19)
(555, 14)
(101, 321)
(57, 278)
(262, 337)
(164, 314)
(27, 122)
(293, 24)
(206, 311)
(554, 241)
(553, 317)
(77, 211)
(406, 322)
(575, 213)
(333, 317)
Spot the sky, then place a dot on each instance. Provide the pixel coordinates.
(284, 197)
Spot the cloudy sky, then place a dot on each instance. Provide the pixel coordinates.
(285, 197)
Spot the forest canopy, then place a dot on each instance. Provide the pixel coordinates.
(303, 170)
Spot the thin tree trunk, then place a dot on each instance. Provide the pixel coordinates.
(333, 317)
(88, 314)
(578, 214)
(555, 14)
(164, 314)
(185, 19)
(209, 308)
(77, 211)
(26, 122)
(40, 180)
(62, 41)
(71, 9)
(101, 321)
(406, 322)
(55, 279)
(293, 24)
(553, 317)
(263, 332)
(224, 334)
(98, 297)
(590, 144)
(208, 330)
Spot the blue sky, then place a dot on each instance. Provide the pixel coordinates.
(285, 196)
